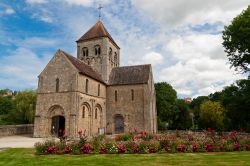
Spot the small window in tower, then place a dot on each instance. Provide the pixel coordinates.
(115, 95)
(85, 51)
(96, 113)
(57, 85)
(110, 51)
(98, 89)
(83, 112)
(87, 86)
(97, 50)
(132, 94)
(115, 57)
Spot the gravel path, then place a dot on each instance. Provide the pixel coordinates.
(18, 141)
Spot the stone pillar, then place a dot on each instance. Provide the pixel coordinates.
(72, 125)
(37, 123)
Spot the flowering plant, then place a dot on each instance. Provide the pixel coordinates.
(87, 148)
(51, 149)
(121, 148)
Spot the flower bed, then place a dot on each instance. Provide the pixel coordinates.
(143, 142)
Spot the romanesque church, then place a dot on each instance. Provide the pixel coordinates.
(93, 92)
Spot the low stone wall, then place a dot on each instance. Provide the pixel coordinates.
(16, 129)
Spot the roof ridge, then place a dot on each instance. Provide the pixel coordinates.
(82, 67)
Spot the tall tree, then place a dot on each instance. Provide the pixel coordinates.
(212, 114)
(167, 110)
(236, 42)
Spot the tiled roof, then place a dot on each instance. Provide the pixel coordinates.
(97, 31)
(129, 75)
(82, 67)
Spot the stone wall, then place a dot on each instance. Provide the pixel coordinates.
(16, 129)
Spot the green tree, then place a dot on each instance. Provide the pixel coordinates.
(236, 99)
(167, 110)
(6, 104)
(236, 41)
(195, 106)
(212, 114)
(183, 120)
(24, 110)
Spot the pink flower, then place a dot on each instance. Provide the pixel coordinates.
(181, 148)
(87, 148)
(121, 148)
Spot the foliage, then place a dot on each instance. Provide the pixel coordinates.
(167, 110)
(183, 120)
(212, 114)
(236, 99)
(236, 42)
(206, 141)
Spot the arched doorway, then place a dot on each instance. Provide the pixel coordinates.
(119, 124)
(58, 125)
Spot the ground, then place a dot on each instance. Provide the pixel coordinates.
(25, 156)
(18, 141)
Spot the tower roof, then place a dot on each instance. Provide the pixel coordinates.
(97, 31)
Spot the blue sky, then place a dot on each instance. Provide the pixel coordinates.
(181, 39)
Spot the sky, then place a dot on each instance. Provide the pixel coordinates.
(181, 39)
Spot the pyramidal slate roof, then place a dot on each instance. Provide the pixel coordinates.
(82, 67)
(97, 31)
(130, 75)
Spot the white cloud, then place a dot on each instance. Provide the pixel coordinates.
(9, 11)
(36, 1)
(86, 3)
(153, 58)
(201, 66)
(21, 68)
(172, 13)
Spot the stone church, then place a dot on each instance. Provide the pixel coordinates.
(92, 92)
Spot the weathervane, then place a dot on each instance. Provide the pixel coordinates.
(99, 8)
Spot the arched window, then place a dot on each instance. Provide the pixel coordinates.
(132, 94)
(83, 112)
(87, 86)
(57, 85)
(115, 95)
(85, 52)
(96, 113)
(110, 53)
(97, 50)
(99, 89)
(115, 59)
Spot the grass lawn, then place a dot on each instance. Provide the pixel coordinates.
(26, 157)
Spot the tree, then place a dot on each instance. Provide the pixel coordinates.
(6, 104)
(24, 110)
(183, 120)
(195, 106)
(236, 42)
(167, 110)
(236, 99)
(212, 114)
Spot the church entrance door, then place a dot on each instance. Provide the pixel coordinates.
(119, 124)
(58, 126)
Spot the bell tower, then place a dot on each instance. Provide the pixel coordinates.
(98, 49)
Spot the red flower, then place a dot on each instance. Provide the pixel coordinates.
(209, 147)
(194, 147)
(87, 148)
(79, 132)
(209, 129)
(135, 148)
(181, 148)
(67, 149)
(152, 150)
(121, 148)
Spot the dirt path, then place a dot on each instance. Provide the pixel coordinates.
(18, 141)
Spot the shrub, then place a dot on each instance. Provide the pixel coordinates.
(86, 148)
(121, 148)
(247, 147)
(67, 149)
(97, 141)
(102, 150)
(111, 147)
(194, 147)
(51, 149)
(123, 137)
(209, 147)
(143, 147)
(236, 147)
(181, 148)
(40, 148)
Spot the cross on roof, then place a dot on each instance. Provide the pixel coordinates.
(99, 8)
